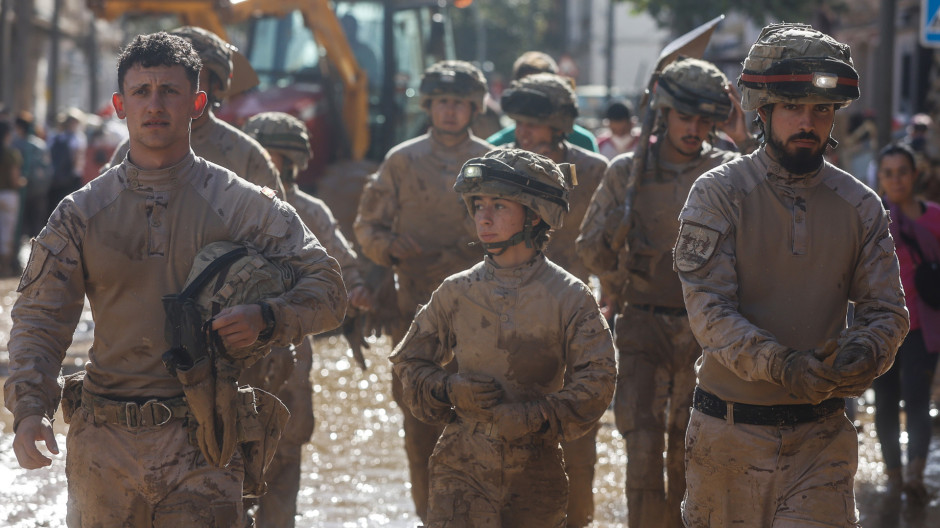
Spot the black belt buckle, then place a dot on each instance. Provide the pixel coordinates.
(776, 415)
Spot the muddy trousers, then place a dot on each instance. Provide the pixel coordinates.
(480, 481)
(655, 381)
(278, 507)
(792, 476)
(580, 457)
(149, 476)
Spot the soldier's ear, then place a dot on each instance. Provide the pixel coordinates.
(199, 105)
(117, 100)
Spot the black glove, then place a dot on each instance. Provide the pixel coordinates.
(804, 375)
(515, 420)
(857, 367)
(473, 395)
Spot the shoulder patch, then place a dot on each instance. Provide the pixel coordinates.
(269, 192)
(695, 246)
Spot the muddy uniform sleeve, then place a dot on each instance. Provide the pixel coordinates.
(711, 289)
(317, 302)
(590, 376)
(340, 248)
(51, 296)
(881, 319)
(418, 358)
(263, 172)
(604, 215)
(378, 208)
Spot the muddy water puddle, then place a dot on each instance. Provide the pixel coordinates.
(354, 469)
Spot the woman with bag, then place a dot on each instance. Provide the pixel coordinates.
(915, 228)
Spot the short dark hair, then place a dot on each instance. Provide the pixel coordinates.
(160, 49)
(893, 149)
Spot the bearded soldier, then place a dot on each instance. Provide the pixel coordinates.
(139, 453)
(213, 139)
(286, 139)
(544, 107)
(411, 221)
(535, 355)
(772, 248)
(626, 239)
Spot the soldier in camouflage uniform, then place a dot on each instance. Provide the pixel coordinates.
(286, 139)
(544, 107)
(626, 239)
(125, 240)
(213, 139)
(772, 248)
(535, 356)
(411, 221)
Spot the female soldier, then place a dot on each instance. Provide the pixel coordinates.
(535, 356)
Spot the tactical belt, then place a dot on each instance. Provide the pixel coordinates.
(152, 413)
(659, 310)
(778, 415)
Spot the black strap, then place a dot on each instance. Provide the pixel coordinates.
(214, 267)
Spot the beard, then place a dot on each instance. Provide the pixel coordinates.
(803, 160)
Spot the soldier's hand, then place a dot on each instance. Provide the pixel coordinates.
(238, 326)
(32, 429)
(360, 297)
(858, 367)
(804, 375)
(404, 247)
(515, 420)
(472, 395)
(736, 125)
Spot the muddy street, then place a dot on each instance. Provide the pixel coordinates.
(354, 469)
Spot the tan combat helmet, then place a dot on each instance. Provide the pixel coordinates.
(282, 134)
(542, 98)
(693, 87)
(453, 78)
(794, 63)
(530, 179)
(236, 275)
(216, 55)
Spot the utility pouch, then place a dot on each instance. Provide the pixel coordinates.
(261, 419)
(72, 394)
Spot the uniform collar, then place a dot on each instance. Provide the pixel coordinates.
(515, 276)
(434, 138)
(158, 179)
(776, 172)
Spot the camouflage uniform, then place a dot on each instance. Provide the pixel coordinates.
(411, 195)
(769, 261)
(90, 247)
(655, 343)
(536, 329)
(580, 454)
(286, 135)
(215, 140)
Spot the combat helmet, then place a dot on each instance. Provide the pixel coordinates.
(216, 54)
(794, 63)
(283, 134)
(543, 98)
(454, 78)
(226, 274)
(530, 179)
(693, 87)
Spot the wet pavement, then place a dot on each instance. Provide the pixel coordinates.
(354, 469)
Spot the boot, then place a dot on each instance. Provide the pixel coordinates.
(895, 484)
(914, 486)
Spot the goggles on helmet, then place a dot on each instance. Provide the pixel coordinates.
(449, 81)
(527, 102)
(487, 169)
(799, 77)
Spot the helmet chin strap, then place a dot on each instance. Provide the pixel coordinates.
(524, 235)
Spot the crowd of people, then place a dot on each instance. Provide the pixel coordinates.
(748, 289)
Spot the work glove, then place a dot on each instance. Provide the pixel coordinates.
(804, 375)
(226, 409)
(514, 420)
(473, 395)
(199, 387)
(857, 367)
